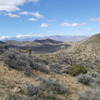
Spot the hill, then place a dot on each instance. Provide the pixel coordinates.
(65, 74)
(86, 53)
(1, 42)
(39, 46)
(48, 41)
(90, 45)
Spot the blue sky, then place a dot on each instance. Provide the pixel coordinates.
(49, 17)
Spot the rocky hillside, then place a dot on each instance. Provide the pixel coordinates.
(14, 85)
(67, 74)
(91, 45)
(86, 52)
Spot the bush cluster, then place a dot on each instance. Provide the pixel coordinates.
(54, 86)
(24, 62)
(59, 68)
(31, 90)
(40, 67)
(93, 94)
(16, 97)
(16, 60)
(47, 90)
(85, 79)
(76, 70)
(91, 79)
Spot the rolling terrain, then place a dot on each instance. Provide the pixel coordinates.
(54, 70)
(38, 46)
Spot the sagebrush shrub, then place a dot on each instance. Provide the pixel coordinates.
(53, 98)
(28, 71)
(85, 79)
(37, 98)
(93, 94)
(16, 97)
(23, 62)
(56, 68)
(91, 79)
(96, 83)
(41, 67)
(16, 60)
(31, 90)
(54, 86)
(47, 90)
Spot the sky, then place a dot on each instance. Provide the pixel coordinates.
(49, 17)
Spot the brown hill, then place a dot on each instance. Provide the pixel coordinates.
(86, 53)
(48, 41)
(90, 46)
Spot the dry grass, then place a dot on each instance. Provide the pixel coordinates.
(11, 79)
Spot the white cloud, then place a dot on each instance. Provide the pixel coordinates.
(4, 37)
(95, 19)
(44, 25)
(24, 13)
(13, 5)
(32, 19)
(35, 14)
(12, 15)
(22, 36)
(18, 36)
(66, 24)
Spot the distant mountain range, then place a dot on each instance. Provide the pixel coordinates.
(69, 38)
(54, 37)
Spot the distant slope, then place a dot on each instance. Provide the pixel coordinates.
(1, 42)
(68, 38)
(39, 46)
(90, 45)
(86, 52)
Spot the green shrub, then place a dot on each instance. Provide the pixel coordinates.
(76, 70)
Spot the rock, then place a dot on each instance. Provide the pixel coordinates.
(16, 90)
